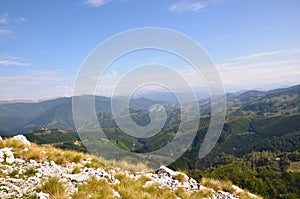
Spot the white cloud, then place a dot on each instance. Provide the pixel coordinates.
(260, 74)
(253, 65)
(6, 60)
(4, 20)
(32, 85)
(183, 6)
(20, 20)
(267, 53)
(96, 3)
(5, 32)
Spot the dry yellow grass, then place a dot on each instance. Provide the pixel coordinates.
(96, 189)
(55, 188)
(217, 184)
(42, 153)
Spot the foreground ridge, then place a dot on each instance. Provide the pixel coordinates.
(31, 171)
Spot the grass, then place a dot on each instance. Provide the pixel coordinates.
(181, 177)
(124, 165)
(41, 153)
(55, 188)
(13, 173)
(30, 172)
(205, 193)
(96, 189)
(217, 184)
(73, 156)
(76, 170)
(130, 188)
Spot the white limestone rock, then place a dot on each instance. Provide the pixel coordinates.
(22, 139)
(7, 155)
(42, 195)
(116, 194)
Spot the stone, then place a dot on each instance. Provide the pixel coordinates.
(42, 195)
(80, 177)
(22, 139)
(164, 169)
(116, 194)
(226, 195)
(7, 155)
(148, 184)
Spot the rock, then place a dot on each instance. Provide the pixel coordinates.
(116, 194)
(148, 184)
(164, 169)
(226, 195)
(19, 161)
(1, 156)
(22, 139)
(80, 177)
(42, 195)
(7, 155)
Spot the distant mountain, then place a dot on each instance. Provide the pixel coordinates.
(283, 101)
(56, 113)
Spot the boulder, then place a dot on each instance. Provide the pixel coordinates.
(22, 139)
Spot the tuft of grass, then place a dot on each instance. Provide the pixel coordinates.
(125, 165)
(130, 188)
(96, 189)
(182, 193)
(180, 177)
(76, 170)
(73, 156)
(13, 173)
(55, 188)
(218, 184)
(95, 163)
(30, 172)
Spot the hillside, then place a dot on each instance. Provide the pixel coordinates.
(260, 138)
(16, 117)
(28, 170)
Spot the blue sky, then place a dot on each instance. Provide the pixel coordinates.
(254, 44)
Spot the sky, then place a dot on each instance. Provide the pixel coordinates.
(254, 44)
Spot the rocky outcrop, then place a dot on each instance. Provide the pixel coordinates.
(165, 177)
(22, 139)
(20, 178)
